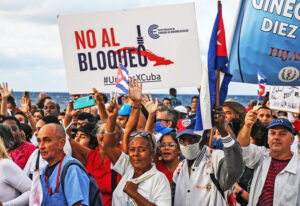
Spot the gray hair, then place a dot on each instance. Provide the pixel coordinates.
(102, 122)
(172, 114)
(151, 142)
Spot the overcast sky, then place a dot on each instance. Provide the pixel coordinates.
(31, 54)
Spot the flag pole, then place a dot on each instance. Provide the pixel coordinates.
(217, 94)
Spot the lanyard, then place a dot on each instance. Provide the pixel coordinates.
(57, 179)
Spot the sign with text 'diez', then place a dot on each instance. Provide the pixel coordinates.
(158, 46)
(267, 39)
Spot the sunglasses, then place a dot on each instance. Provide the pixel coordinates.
(143, 134)
(165, 120)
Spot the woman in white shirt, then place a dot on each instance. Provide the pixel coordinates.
(14, 184)
(141, 183)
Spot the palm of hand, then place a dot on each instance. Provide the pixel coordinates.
(151, 107)
(25, 108)
(135, 94)
(25, 105)
(5, 93)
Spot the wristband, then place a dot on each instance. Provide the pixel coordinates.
(241, 192)
(110, 133)
(140, 107)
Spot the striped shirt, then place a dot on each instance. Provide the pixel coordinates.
(266, 197)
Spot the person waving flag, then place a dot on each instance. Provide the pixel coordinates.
(122, 79)
(217, 60)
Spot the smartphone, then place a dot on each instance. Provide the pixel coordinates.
(26, 93)
(84, 102)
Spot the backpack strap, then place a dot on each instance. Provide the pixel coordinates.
(65, 169)
(113, 180)
(215, 181)
(212, 175)
(37, 163)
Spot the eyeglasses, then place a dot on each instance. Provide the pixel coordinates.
(143, 134)
(165, 120)
(169, 144)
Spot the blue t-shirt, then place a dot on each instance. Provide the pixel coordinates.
(76, 186)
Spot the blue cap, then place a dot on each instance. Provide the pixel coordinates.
(282, 122)
(125, 110)
(186, 126)
(162, 128)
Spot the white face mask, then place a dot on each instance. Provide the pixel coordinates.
(190, 151)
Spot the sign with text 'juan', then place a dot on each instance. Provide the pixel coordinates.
(158, 46)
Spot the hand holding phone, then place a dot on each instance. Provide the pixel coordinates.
(84, 102)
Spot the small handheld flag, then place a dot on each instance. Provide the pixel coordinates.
(122, 79)
(262, 81)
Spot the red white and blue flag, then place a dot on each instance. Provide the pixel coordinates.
(262, 82)
(122, 79)
(217, 59)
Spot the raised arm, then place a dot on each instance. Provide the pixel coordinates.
(151, 107)
(135, 94)
(251, 153)
(244, 135)
(5, 93)
(110, 143)
(70, 112)
(79, 152)
(100, 104)
(25, 108)
(230, 167)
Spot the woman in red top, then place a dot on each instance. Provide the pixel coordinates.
(21, 150)
(170, 151)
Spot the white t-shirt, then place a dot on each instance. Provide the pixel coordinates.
(13, 181)
(31, 163)
(155, 189)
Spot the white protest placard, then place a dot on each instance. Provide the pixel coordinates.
(285, 98)
(158, 45)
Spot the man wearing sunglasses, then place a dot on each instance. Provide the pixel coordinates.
(204, 176)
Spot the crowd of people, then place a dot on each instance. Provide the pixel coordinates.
(136, 150)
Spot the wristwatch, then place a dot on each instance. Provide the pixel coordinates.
(241, 192)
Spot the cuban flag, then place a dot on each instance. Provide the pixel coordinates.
(217, 59)
(122, 79)
(262, 82)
